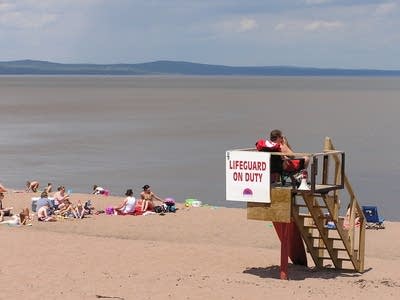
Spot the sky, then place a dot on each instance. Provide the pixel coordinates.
(304, 33)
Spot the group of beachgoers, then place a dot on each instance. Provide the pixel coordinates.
(59, 205)
(144, 205)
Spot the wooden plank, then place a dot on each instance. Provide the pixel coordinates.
(356, 257)
(325, 168)
(300, 220)
(279, 210)
(361, 253)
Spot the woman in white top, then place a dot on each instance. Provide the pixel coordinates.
(127, 207)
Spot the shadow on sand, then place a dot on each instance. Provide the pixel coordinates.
(297, 272)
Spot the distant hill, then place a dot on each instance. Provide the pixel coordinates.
(32, 67)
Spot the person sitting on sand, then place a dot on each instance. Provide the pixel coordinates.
(32, 186)
(43, 215)
(14, 221)
(4, 211)
(49, 188)
(63, 204)
(61, 200)
(45, 201)
(148, 197)
(128, 205)
(88, 206)
(98, 190)
(69, 211)
(18, 219)
(346, 222)
(24, 217)
(80, 210)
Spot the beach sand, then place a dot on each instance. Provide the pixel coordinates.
(196, 253)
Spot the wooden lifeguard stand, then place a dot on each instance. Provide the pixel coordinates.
(313, 217)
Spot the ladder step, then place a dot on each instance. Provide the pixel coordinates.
(339, 258)
(324, 248)
(315, 227)
(324, 257)
(314, 206)
(305, 216)
(310, 226)
(329, 238)
(344, 259)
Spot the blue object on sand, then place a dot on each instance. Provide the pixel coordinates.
(372, 217)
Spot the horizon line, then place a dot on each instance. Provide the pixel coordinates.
(204, 64)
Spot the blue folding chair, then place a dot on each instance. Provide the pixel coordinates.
(372, 218)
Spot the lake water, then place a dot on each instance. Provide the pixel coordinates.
(172, 132)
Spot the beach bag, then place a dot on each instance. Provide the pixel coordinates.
(110, 210)
(159, 209)
(169, 201)
(171, 208)
(169, 205)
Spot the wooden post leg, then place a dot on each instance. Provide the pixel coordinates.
(285, 245)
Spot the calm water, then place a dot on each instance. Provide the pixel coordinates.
(172, 132)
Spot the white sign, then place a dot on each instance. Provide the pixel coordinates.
(248, 176)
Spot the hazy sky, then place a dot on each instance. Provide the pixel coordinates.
(319, 33)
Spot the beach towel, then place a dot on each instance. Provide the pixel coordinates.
(110, 210)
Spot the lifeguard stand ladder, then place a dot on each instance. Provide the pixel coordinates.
(314, 216)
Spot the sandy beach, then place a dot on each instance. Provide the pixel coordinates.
(196, 253)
